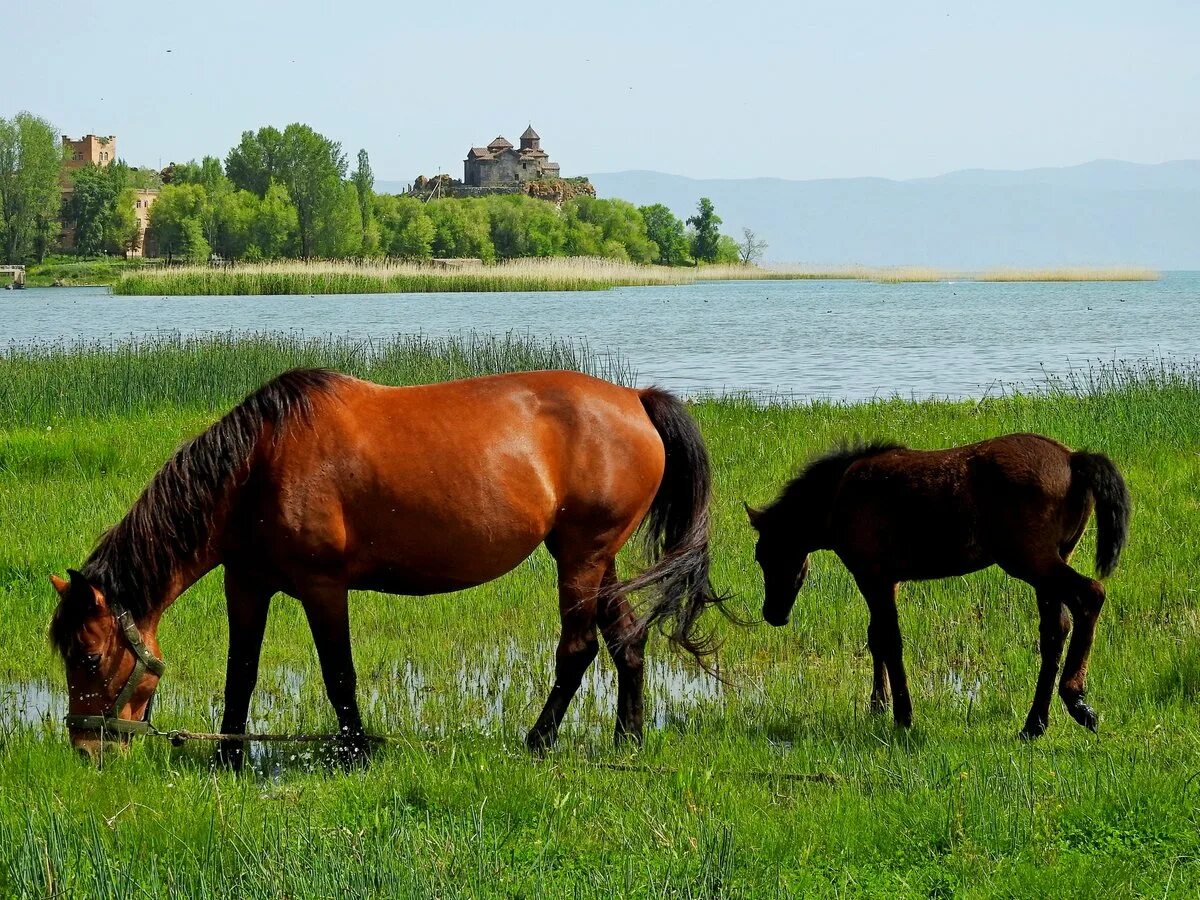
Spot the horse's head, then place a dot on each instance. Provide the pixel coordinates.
(784, 565)
(112, 668)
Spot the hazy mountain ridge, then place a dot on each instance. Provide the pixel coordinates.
(1104, 212)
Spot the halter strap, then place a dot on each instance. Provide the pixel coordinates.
(145, 662)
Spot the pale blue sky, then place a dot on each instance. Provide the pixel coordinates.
(750, 88)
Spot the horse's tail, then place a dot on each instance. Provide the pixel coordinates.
(1097, 473)
(676, 530)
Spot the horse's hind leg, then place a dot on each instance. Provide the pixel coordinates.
(1052, 631)
(1085, 598)
(578, 583)
(626, 640)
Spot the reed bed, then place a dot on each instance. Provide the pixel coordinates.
(709, 807)
(1114, 273)
(530, 275)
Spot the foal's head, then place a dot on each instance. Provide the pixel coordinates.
(797, 523)
(100, 661)
(782, 552)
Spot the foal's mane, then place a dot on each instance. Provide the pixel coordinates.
(821, 474)
(172, 520)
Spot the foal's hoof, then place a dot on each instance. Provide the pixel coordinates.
(877, 706)
(1084, 715)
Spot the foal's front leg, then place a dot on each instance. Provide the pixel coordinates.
(886, 645)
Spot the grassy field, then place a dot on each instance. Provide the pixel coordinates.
(711, 808)
(72, 271)
(549, 274)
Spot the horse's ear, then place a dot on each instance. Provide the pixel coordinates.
(754, 515)
(61, 585)
(82, 590)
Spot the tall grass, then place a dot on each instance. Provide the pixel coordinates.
(542, 274)
(455, 807)
(100, 379)
(1114, 273)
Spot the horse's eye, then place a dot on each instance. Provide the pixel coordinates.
(92, 661)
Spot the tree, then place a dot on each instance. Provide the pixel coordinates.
(311, 167)
(751, 248)
(254, 163)
(177, 218)
(91, 205)
(405, 231)
(30, 161)
(618, 232)
(364, 185)
(665, 229)
(706, 239)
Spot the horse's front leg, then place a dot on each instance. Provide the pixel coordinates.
(325, 606)
(247, 605)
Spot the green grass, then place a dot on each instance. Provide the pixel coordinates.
(72, 271)
(456, 808)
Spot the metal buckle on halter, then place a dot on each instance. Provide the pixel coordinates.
(145, 662)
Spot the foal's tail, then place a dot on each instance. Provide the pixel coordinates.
(1100, 477)
(677, 530)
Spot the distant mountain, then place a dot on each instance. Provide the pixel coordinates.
(1105, 212)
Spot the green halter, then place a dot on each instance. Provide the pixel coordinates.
(146, 662)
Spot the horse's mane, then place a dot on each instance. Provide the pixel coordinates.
(172, 520)
(821, 474)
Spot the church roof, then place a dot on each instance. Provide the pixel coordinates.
(499, 143)
(479, 153)
(530, 135)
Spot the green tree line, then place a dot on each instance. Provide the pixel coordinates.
(290, 194)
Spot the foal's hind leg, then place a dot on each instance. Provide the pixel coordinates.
(1052, 631)
(1085, 598)
(626, 640)
(578, 582)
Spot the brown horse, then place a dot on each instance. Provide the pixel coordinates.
(891, 514)
(319, 483)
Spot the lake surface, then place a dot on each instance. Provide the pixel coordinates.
(835, 339)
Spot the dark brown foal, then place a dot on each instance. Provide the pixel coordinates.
(891, 514)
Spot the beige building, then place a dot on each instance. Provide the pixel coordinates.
(91, 149)
(101, 150)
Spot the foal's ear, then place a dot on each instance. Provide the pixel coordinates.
(61, 585)
(754, 515)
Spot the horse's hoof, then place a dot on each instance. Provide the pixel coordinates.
(353, 751)
(539, 742)
(1084, 715)
(877, 706)
(1033, 730)
(231, 756)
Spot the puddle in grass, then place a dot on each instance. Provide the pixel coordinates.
(496, 691)
(31, 704)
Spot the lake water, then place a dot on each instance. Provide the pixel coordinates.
(836, 339)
